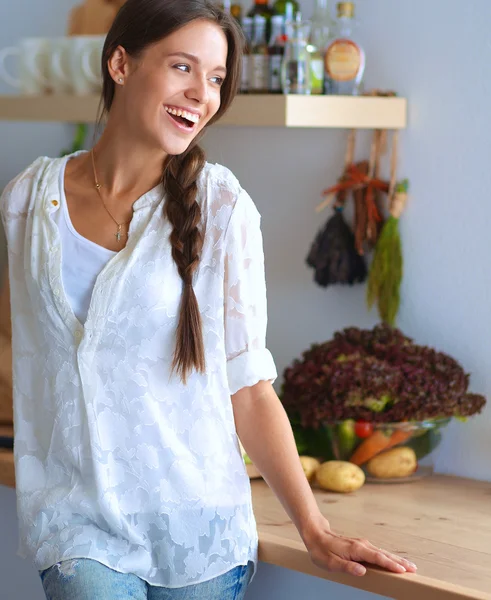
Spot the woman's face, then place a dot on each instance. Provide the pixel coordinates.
(173, 90)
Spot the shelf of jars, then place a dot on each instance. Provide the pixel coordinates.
(247, 110)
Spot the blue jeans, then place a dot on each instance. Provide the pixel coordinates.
(87, 579)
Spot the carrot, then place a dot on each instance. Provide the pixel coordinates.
(370, 447)
(398, 437)
(377, 443)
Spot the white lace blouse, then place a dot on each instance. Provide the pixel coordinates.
(115, 459)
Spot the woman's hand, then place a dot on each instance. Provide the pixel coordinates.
(334, 552)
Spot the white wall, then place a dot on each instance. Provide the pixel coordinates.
(436, 54)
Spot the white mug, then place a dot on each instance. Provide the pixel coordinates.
(33, 60)
(59, 66)
(85, 64)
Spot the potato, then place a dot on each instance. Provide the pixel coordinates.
(309, 465)
(339, 476)
(398, 462)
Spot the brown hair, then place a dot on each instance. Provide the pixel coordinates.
(138, 24)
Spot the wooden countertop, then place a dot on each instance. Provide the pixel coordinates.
(441, 523)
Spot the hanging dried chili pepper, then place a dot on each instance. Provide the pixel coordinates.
(361, 211)
(357, 180)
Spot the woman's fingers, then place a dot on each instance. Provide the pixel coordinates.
(369, 553)
(407, 564)
(338, 553)
(336, 563)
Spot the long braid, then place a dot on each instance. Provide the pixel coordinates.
(138, 25)
(184, 213)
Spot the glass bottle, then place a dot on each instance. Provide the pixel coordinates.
(295, 69)
(276, 51)
(259, 58)
(320, 32)
(226, 6)
(262, 8)
(247, 27)
(236, 11)
(289, 17)
(280, 6)
(344, 59)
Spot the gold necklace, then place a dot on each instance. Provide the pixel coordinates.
(98, 188)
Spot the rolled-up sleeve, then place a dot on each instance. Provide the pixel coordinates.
(248, 359)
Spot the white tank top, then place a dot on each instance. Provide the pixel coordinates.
(82, 260)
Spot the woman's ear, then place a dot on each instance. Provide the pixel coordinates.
(119, 65)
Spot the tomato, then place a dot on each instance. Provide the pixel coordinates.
(363, 429)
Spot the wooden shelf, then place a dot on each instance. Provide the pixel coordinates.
(363, 112)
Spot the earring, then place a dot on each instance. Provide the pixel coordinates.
(120, 80)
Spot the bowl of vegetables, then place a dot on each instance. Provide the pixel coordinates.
(375, 394)
(386, 451)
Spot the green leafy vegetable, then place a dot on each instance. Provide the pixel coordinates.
(383, 376)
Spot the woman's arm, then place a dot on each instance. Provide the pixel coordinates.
(265, 432)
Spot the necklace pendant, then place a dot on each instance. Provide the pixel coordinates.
(118, 234)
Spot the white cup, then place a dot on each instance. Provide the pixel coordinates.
(59, 66)
(32, 64)
(85, 56)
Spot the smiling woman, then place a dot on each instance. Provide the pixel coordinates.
(136, 237)
(178, 69)
(139, 315)
(162, 76)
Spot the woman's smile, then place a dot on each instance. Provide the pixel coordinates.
(185, 120)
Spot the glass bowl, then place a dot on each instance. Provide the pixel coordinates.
(346, 438)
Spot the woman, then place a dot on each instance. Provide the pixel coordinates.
(138, 332)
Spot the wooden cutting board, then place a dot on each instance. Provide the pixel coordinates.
(6, 410)
(7, 430)
(7, 470)
(93, 17)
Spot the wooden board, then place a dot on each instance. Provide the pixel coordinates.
(6, 410)
(98, 16)
(7, 430)
(7, 471)
(443, 524)
(92, 17)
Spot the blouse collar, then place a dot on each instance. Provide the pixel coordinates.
(150, 199)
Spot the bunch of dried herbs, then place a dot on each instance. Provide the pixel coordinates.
(377, 375)
(385, 275)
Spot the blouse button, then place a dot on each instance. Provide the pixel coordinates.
(78, 334)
